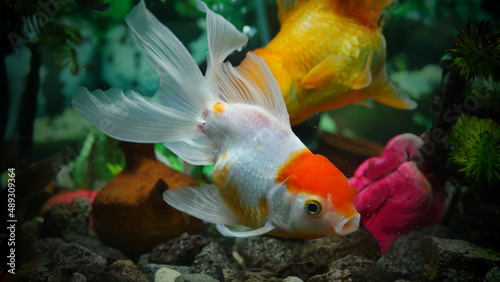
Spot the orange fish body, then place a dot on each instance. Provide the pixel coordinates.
(330, 53)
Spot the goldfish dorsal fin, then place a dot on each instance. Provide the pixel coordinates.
(223, 37)
(385, 92)
(251, 83)
(203, 202)
(365, 78)
(323, 72)
(268, 227)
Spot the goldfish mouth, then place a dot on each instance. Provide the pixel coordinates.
(347, 225)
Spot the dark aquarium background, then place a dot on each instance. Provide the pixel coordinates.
(57, 225)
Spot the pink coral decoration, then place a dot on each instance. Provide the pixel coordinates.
(393, 196)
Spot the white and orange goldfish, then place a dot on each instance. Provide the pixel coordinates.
(264, 176)
(330, 53)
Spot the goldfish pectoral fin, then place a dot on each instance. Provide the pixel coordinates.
(203, 202)
(268, 227)
(223, 37)
(323, 72)
(364, 79)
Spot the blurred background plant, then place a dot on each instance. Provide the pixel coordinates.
(475, 151)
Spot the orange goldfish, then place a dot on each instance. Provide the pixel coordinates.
(264, 176)
(330, 53)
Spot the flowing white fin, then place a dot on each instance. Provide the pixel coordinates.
(182, 83)
(174, 112)
(196, 151)
(203, 202)
(223, 37)
(130, 117)
(181, 100)
(268, 227)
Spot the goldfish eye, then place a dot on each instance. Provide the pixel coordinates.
(312, 207)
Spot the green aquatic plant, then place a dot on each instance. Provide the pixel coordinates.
(475, 150)
(99, 159)
(203, 174)
(477, 51)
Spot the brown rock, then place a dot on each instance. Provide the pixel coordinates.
(328, 249)
(130, 213)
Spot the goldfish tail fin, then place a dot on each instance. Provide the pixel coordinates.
(130, 117)
(383, 91)
(172, 116)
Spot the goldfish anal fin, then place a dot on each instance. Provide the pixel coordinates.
(268, 227)
(203, 202)
(323, 72)
(385, 92)
(364, 78)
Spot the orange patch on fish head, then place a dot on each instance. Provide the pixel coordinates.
(218, 108)
(306, 172)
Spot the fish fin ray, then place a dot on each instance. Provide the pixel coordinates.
(383, 91)
(183, 88)
(323, 72)
(364, 79)
(197, 151)
(182, 83)
(130, 117)
(203, 202)
(223, 37)
(268, 227)
(251, 83)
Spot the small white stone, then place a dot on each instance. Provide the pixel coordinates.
(293, 279)
(166, 274)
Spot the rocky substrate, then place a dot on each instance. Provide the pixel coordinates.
(61, 248)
